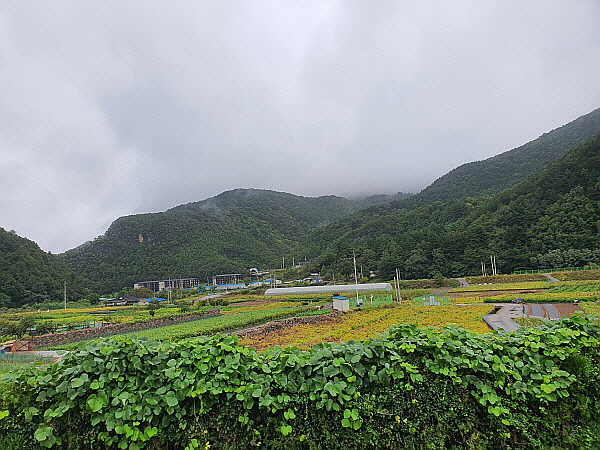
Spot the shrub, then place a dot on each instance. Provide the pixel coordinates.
(412, 388)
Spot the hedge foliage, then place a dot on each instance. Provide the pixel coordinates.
(412, 388)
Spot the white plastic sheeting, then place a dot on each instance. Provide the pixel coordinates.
(330, 289)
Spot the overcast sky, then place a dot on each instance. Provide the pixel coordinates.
(113, 108)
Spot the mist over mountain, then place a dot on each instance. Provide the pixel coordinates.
(552, 219)
(535, 206)
(230, 232)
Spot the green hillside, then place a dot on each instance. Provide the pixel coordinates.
(228, 233)
(480, 178)
(550, 220)
(473, 180)
(448, 228)
(29, 275)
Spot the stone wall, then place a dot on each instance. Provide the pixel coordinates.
(50, 340)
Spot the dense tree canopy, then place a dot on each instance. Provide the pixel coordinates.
(550, 220)
(508, 206)
(229, 233)
(29, 275)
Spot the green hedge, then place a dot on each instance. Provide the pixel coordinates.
(413, 388)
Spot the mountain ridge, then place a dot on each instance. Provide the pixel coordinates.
(424, 235)
(230, 232)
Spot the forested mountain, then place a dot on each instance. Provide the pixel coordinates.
(448, 228)
(228, 233)
(30, 275)
(481, 178)
(476, 179)
(550, 220)
(492, 175)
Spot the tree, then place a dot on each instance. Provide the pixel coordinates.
(153, 306)
(20, 328)
(46, 326)
(142, 292)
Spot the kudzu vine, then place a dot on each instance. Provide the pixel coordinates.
(131, 393)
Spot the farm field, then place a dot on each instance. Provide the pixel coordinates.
(370, 322)
(245, 311)
(286, 347)
(231, 319)
(590, 308)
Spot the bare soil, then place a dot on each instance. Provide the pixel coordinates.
(566, 309)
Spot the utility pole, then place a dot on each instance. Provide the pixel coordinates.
(65, 292)
(355, 275)
(398, 284)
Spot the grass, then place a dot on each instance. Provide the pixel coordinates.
(10, 362)
(529, 321)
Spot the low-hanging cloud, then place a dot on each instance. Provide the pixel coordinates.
(115, 108)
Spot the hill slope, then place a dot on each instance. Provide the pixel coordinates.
(30, 275)
(475, 179)
(550, 220)
(228, 233)
(480, 178)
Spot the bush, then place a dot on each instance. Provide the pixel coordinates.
(413, 388)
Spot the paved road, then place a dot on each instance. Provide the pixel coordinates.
(551, 279)
(463, 282)
(503, 319)
(206, 297)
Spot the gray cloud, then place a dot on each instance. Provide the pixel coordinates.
(117, 108)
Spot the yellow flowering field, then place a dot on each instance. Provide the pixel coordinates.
(547, 297)
(590, 308)
(504, 286)
(367, 323)
(275, 305)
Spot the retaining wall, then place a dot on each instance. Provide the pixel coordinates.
(49, 340)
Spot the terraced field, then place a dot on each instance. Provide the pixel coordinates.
(366, 323)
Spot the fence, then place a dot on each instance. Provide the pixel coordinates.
(431, 300)
(562, 269)
(371, 300)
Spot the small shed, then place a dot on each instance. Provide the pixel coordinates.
(341, 303)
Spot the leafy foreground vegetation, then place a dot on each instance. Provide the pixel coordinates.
(412, 388)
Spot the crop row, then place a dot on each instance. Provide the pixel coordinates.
(234, 309)
(504, 286)
(370, 322)
(214, 325)
(508, 278)
(577, 275)
(545, 297)
(590, 308)
(575, 288)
